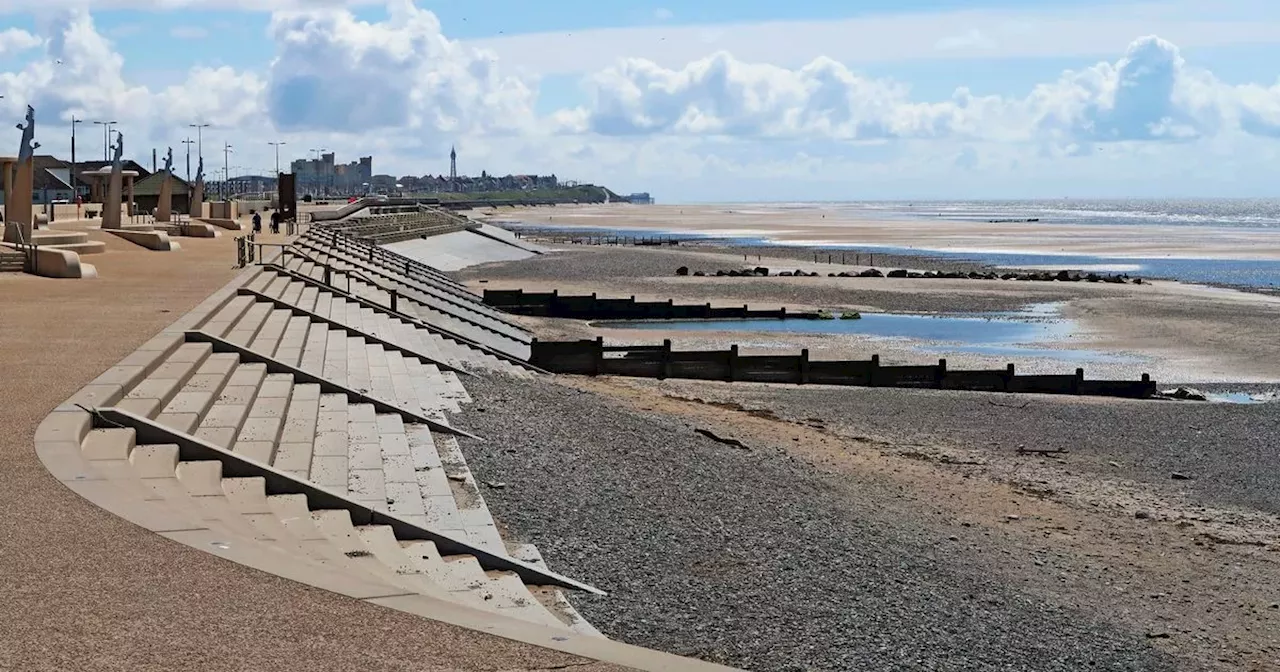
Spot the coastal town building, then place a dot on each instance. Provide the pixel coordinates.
(324, 175)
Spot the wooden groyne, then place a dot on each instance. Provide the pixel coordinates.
(594, 358)
(553, 304)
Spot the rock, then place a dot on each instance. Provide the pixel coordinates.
(871, 273)
(1178, 476)
(1137, 281)
(683, 270)
(1142, 515)
(720, 274)
(914, 275)
(831, 275)
(899, 273)
(699, 274)
(1185, 394)
(784, 274)
(761, 270)
(1063, 276)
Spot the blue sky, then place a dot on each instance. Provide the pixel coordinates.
(800, 98)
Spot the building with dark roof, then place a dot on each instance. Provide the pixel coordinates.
(146, 192)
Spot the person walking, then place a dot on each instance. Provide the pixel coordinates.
(257, 222)
(275, 221)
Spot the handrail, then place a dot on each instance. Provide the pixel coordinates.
(416, 321)
(345, 211)
(330, 268)
(476, 306)
(357, 243)
(387, 259)
(452, 314)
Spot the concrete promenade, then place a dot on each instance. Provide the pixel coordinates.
(86, 590)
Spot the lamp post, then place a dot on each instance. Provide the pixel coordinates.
(75, 191)
(226, 169)
(199, 138)
(106, 136)
(188, 142)
(277, 145)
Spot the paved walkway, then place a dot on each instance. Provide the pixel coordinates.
(85, 590)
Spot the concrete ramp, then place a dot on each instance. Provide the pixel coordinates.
(458, 250)
(500, 234)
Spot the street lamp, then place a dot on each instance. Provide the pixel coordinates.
(199, 138)
(75, 191)
(188, 142)
(277, 145)
(226, 168)
(106, 136)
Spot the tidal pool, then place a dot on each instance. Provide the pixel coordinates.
(993, 334)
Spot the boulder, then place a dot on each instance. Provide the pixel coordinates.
(784, 274)
(899, 273)
(871, 273)
(683, 270)
(761, 270)
(699, 274)
(913, 274)
(1063, 276)
(720, 274)
(1185, 394)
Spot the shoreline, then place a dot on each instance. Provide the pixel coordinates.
(1179, 333)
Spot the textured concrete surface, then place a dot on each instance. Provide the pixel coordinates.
(85, 590)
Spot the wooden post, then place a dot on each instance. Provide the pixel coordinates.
(599, 356)
(804, 366)
(942, 371)
(733, 362)
(875, 365)
(666, 359)
(1075, 384)
(1008, 377)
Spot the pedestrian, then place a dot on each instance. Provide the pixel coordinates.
(257, 221)
(275, 221)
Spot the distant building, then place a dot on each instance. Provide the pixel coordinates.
(641, 198)
(324, 176)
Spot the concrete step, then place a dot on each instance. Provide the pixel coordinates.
(154, 393)
(222, 423)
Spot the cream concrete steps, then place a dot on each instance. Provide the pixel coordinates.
(473, 313)
(407, 304)
(457, 354)
(166, 380)
(552, 598)
(194, 495)
(392, 263)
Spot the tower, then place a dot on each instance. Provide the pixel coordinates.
(453, 166)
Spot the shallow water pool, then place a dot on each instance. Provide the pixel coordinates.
(991, 334)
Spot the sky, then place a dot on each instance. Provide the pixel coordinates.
(720, 102)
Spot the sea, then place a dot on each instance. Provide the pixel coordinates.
(1208, 214)
(1191, 213)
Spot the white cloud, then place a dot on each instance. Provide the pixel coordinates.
(14, 40)
(334, 73)
(401, 90)
(1089, 30)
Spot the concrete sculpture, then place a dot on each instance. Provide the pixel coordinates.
(115, 184)
(164, 209)
(19, 187)
(197, 191)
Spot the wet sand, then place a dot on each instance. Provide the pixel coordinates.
(1176, 332)
(829, 226)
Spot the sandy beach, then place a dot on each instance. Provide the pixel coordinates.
(831, 226)
(1112, 553)
(1179, 333)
